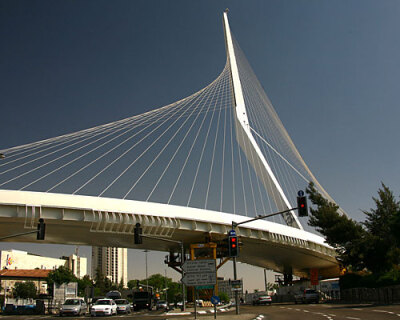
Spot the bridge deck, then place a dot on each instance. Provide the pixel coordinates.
(86, 220)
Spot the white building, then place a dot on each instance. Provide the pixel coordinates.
(16, 259)
(112, 262)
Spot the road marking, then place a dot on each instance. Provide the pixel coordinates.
(379, 310)
(352, 318)
(358, 309)
(178, 314)
(306, 311)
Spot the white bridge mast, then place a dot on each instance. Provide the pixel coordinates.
(243, 135)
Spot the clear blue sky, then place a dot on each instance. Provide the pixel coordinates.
(330, 68)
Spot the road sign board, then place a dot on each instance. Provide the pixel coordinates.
(232, 233)
(199, 266)
(199, 279)
(236, 285)
(300, 193)
(215, 300)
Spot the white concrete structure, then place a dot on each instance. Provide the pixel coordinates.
(16, 259)
(106, 218)
(110, 222)
(111, 262)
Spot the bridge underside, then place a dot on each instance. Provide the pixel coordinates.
(83, 220)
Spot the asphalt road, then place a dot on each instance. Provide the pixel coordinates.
(274, 312)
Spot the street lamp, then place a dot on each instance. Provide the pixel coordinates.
(147, 280)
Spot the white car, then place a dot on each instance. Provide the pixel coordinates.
(104, 307)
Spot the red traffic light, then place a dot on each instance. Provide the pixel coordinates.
(302, 206)
(233, 249)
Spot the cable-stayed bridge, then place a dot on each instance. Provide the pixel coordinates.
(185, 171)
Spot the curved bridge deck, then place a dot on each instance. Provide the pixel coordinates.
(86, 220)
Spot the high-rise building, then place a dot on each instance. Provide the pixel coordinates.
(111, 262)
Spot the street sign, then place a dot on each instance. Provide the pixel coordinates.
(199, 279)
(232, 233)
(199, 266)
(236, 285)
(215, 300)
(300, 193)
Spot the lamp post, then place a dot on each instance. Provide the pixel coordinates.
(147, 279)
(166, 287)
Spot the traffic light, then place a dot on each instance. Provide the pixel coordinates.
(302, 206)
(233, 246)
(138, 234)
(41, 228)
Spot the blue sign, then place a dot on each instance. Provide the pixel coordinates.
(300, 193)
(232, 233)
(215, 300)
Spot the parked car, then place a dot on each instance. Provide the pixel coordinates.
(259, 300)
(161, 305)
(307, 296)
(123, 306)
(104, 307)
(73, 307)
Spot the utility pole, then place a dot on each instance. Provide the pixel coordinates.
(166, 287)
(147, 280)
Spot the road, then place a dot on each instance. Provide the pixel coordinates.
(274, 312)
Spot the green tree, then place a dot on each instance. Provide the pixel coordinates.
(132, 284)
(83, 283)
(174, 291)
(381, 249)
(157, 281)
(25, 290)
(373, 244)
(59, 276)
(342, 233)
(120, 285)
(102, 284)
(223, 296)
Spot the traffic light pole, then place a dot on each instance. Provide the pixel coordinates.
(236, 292)
(39, 232)
(234, 225)
(18, 234)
